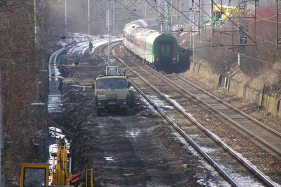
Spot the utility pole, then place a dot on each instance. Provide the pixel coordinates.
(168, 16)
(65, 17)
(36, 40)
(192, 32)
(239, 47)
(277, 24)
(108, 57)
(2, 175)
(108, 24)
(171, 13)
(193, 43)
(89, 17)
(178, 17)
(242, 30)
(145, 16)
(113, 19)
(212, 17)
(199, 22)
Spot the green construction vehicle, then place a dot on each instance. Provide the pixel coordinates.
(112, 92)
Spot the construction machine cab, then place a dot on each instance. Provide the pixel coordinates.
(37, 174)
(34, 174)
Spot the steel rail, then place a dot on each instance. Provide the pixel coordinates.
(225, 116)
(246, 163)
(230, 106)
(105, 46)
(273, 148)
(164, 115)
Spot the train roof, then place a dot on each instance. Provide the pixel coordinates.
(152, 36)
(130, 28)
(156, 35)
(140, 30)
(145, 23)
(140, 33)
(145, 34)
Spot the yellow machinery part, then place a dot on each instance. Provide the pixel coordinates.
(37, 174)
(92, 180)
(61, 174)
(228, 11)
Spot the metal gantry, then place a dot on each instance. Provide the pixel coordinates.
(241, 25)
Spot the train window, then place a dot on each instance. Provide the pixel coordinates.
(162, 48)
(149, 48)
(168, 48)
(142, 45)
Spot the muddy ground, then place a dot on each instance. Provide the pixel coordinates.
(135, 150)
(140, 149)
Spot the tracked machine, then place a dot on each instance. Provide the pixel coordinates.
(112, 92)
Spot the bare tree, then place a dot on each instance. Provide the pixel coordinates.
(23, 44)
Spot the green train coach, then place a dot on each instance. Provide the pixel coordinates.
(156, 49)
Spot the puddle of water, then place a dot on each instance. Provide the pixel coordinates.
(101, 125)
(129, 174)
(109, 159)
(133, 132)
(142, 117)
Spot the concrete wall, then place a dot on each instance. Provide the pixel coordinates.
(271, 103)
(202, 71)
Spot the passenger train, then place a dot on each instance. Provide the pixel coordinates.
(156, 49)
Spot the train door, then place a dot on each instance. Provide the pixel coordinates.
(165, 51)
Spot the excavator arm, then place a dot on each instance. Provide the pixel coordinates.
(37, 174)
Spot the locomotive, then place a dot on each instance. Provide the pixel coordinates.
(156, 49)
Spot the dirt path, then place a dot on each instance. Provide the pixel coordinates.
(135, 150)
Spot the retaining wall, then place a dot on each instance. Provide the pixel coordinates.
(271, 103)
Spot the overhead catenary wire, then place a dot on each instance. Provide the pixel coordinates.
(252, 34)
(126, 8)
(181, 13)
(156, 9)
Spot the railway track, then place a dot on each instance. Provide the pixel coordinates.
(266, 135)
(227, 162)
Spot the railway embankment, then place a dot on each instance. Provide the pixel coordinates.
(256, 82)
(235, 82)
